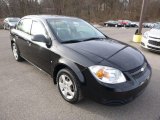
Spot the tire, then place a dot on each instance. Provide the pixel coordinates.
(69, 86)
(16, 52)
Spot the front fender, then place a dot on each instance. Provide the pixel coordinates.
(70, 65)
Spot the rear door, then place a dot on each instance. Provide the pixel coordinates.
(23, 37)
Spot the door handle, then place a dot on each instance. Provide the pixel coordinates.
(16, 37)
(29, 43)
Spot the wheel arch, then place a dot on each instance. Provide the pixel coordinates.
(63, 63)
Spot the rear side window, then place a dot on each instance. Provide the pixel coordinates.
(25, 25)
(38, 29)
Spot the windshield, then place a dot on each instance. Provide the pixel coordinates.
(156, 26)
(73, 29)
(13, 19)
(112, 21)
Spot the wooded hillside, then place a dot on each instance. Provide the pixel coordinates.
(91, 10)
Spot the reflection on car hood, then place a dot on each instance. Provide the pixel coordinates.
(127, 59)
(12, 23)
(121, 55)
(154, 33)
(103, 49)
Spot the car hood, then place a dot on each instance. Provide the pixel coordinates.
(154, 33)
(120, 55)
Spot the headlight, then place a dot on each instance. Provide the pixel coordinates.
(107, 74)
(145, 35)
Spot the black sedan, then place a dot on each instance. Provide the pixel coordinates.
(82, 60)
(111, 23)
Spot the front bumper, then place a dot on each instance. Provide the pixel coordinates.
(118, 93)
(146, 44)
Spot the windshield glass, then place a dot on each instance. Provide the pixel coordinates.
(112, 21)
(13, 19)
(73, 29)
(156, 26)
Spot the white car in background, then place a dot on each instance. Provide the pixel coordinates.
(10, 22)
(151, 39)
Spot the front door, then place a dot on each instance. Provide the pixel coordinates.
(39, 54)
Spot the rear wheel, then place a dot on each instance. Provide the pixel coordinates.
(16, 52)
(69, 86)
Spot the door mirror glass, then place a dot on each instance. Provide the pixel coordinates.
(42, 38)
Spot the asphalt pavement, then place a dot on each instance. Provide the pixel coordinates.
(27, 93)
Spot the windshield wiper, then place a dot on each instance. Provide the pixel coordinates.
(88, 39)
(71, 41)
(92, 38)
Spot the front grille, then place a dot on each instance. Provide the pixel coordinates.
(153, 48)
(156, 43)
(138, 72)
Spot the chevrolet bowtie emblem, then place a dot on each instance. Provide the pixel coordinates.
(142, 69)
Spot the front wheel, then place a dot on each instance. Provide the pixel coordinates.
(16, 52)
(69, 86)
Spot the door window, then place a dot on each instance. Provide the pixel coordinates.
(38, 29)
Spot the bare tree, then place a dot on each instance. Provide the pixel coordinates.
(91, 10)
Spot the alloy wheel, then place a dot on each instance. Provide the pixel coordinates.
(67, 87)
(15, 52)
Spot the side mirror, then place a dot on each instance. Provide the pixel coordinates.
(42, 38)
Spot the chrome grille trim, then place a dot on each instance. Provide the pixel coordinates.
(154, 37)
(141, 70)
(156, 43)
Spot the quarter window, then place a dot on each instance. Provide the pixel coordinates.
(25, 25)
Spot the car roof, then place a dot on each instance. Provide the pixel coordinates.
(47, 16)
(12, 18)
